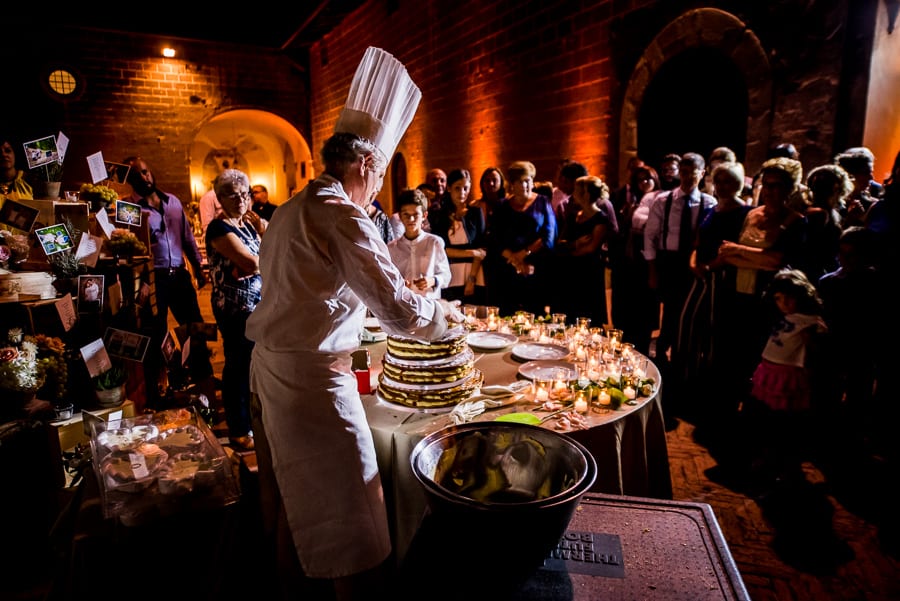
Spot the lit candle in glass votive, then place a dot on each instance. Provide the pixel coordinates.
(629, 393)
(560, 389)
(604, 399)
(581, 404)
(541, 390)
(535, 333)
(580, 353)
(544, 339)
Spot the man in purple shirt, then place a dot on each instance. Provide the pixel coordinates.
(171, 244)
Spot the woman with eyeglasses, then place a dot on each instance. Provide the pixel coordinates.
(232, 250)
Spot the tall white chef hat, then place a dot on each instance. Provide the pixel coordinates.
(382, 101)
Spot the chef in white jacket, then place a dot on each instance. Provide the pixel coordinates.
(323, 263)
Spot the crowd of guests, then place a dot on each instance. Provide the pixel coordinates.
(712, 260)
(691, 250)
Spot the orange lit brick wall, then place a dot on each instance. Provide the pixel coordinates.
(535, 83)
(505, 81)
(137, 102)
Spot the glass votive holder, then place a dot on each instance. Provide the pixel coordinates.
(540, 390)
(582, 402)
(603, 402)
(492, 312)
(583, 324)
(64, 411)
(471, 313)
(614, 336)
(558, 318)
(560, 388)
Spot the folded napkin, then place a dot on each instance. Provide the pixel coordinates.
(504, 391)
(490, 397)
(469, 410)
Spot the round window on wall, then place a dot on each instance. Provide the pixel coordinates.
(63, 83)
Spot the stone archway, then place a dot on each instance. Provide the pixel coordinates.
(268, 148)
(703, 28)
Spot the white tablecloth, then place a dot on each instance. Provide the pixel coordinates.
(629, 444)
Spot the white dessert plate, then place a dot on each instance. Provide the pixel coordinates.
(491, 341)
(548, 370)
(538, 351)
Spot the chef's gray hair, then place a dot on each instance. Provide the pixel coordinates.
(344, 148)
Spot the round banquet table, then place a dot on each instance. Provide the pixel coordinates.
(629, 443)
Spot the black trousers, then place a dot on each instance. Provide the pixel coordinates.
(174, 292)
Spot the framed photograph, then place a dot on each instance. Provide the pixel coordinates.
(90, 293)
(169, 346)
(124, 344)
(128, 213)
(18, 216)
(41, 152)
(116, 173)
(54, 239)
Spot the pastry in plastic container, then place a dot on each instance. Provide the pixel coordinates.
(124, 439)
(184, 472)
(173, 418)
(133, 470)
(183, 439)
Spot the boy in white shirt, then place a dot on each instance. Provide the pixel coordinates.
(419, 255)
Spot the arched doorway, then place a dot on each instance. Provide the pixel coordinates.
(266, 147)
(682, 112)
(710, 34)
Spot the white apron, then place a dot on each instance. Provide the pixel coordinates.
(324, 460)
(322, 264)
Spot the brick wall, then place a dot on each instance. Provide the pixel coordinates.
(501, 80)
(505, 81)
(136, 102)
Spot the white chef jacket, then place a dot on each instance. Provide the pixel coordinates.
(322, 263)
(423, 255)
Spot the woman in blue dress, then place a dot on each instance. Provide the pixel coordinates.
(232, 250)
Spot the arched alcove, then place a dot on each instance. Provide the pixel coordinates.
(682, 113)
(728, 38)
(265, 146)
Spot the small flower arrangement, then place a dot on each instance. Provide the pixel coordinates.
(20, 369)
(19, 245)
(34, 363)
(123, 242)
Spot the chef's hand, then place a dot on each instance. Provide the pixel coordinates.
(451, 311)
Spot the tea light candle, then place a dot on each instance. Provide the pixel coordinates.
(581, 404)
(603, 398)
(629, 393)
(541, 395)
(580, 353)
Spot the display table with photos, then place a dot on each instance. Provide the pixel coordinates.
(629, 443)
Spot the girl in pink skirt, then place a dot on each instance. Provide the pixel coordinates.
(780, 405)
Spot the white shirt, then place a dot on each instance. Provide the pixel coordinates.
(322, 263)
(789, 339)
(425, 254)
(653, 230)
(209, 210)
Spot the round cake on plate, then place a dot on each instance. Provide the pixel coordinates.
(429, 375)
